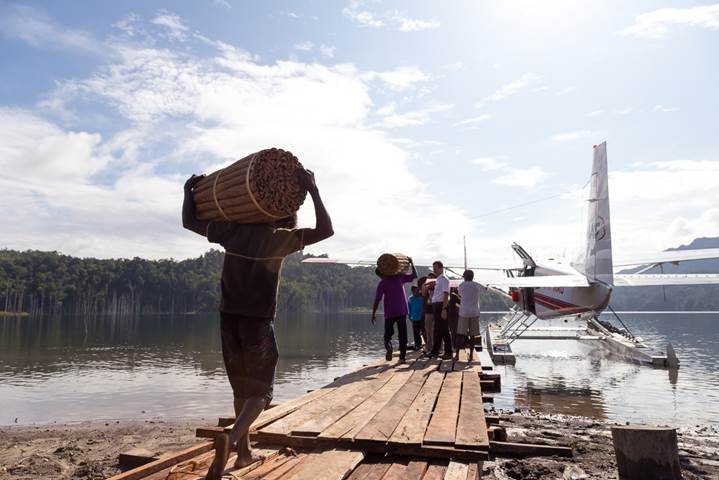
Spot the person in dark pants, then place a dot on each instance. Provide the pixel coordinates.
(254, 254)
(395, 309)
(415, 303)
(440, 302)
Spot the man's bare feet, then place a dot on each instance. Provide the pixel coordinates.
(222, 454)
(245, 456)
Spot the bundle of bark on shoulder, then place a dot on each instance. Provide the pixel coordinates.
(260, 188)
(392, 264)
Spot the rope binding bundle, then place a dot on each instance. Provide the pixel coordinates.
(392, 264)
(260, 188)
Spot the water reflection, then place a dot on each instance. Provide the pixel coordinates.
(72, 368)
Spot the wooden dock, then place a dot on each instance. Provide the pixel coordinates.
(423, 419)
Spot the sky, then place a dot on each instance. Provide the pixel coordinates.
(424, 122)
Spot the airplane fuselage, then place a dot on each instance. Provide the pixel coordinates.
(562, 301)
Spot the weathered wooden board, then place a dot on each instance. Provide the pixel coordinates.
(164, 462)
(348, 426)
(435, 472)
(329, 465)
(442, 426)
(471, 425)
(414, 422)
(338, 409)
(456, 471)
(380, 428)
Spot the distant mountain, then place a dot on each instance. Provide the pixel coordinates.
(700, 297)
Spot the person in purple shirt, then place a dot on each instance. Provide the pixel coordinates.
(395, 309)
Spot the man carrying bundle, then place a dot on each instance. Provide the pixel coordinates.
(395, 309)
(250, 278)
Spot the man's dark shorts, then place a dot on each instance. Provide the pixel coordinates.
(250, 353)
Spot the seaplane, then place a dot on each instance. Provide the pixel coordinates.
(555, 289)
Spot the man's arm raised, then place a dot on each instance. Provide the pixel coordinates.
(189, 218)
(323, 226)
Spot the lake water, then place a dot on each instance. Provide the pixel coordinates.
(69, 369)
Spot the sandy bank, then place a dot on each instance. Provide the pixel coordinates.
(89, 450)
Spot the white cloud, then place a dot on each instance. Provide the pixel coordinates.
(594, 113)
(525, 177)
(624, 111)
(176, 29)
(121, 195)
(474, 120)
(656, 24)
(400, 78)
(565, 91)
(455, 66)
(488, 164)
(417, 117)
(364, 18)
(415, 25)
(571, 136)
(359, 12)
(305, 46)
(664, 109)
(511, 88)
(32, 26)
(222, 3)
(328, 50)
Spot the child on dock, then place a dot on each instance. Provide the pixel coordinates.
(415, 303)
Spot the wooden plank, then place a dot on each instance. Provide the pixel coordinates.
(382, 425)
(201, 460)
(446, 366)
(525, 450)
(370, 471)
(280, 471)
(435, 472)
(473, 471)
(317, 408)
(396, 471)
(329, 465)
(456, 471)
(414, 422)
(422, 451)
(471, 425)
(443, 424)
(337, 410)
(348, 426)
(135, 458)
(164, 462)
(415, 470)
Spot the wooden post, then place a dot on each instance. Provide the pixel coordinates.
(646, 452)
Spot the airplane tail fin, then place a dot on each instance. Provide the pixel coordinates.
(598, 254)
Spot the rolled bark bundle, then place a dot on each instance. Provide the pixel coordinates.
(260, 188)
(392, 263)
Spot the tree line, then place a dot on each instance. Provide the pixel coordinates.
(50, 283)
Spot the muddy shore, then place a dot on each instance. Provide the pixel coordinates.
(89, 450)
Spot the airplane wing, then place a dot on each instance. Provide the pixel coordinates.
(373, 263)
(645, 280)
(548, 281)
(674, 256)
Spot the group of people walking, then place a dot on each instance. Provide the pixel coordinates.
(441, 316)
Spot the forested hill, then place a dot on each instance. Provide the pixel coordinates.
(51, 283)
(695, 297)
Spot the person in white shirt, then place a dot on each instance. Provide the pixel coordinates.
(468, 325)
(440, 301)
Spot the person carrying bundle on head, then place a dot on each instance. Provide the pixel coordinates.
(391, 288)
(468, 325)
(254, 253)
